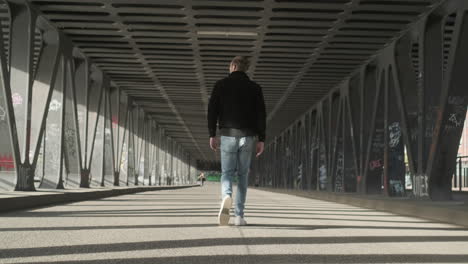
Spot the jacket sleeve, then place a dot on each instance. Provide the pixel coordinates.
(213, 110)
(261, 115)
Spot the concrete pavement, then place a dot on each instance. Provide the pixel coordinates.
(179, 226)
(452, 212)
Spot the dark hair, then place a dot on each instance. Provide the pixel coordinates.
(241, 62)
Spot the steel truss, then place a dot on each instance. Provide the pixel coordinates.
(408, 105)
(65, 125)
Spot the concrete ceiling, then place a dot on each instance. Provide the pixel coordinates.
(167, 54)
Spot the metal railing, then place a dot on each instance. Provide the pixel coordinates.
(460, 177)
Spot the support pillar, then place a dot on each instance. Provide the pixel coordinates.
(85, 183)
(22, 118)
(452, 110)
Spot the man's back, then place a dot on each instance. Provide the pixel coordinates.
(237, 102)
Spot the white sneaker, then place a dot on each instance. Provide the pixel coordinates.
(240, 221)
(223, 215)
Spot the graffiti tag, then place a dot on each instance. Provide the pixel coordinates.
(395, 134)
(55, 105)
(375, 164)
(7, 162)
(339, 181)
(455, 120)
(397, 187)
(2, 114)
(115, 121)
(17, 99)
(456, 100)
(323, 177)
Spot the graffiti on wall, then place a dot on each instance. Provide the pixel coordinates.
(395, 134)
(456, 117)
(115, 122)
(299, 175)
(17, 99)
(375, 164)
(2, 114)
(55, 105)
(397, 188)
(6, 162)
(339, 181)
(70, 138)
(378, 142)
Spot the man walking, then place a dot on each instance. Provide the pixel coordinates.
(238, 107)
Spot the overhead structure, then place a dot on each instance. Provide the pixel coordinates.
(352, 90)
(167, 54)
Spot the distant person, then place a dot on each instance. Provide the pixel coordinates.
(202, 178)
(238, 107)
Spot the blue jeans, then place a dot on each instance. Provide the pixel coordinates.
(236, 154)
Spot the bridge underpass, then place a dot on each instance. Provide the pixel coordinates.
(364, 97)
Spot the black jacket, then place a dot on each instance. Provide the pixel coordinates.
(237, 102)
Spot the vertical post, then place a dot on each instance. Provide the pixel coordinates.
(145, 150)
(158, 156)
(307, 151)
(460, 169)
(124, 131)
(431, 66)
(53, 151)
(162, 157)
(368, 94)
(71, 139)
(22, 34)
(170, 152)
(109, 172)
(131, 146)
(97, 156)
(375, 143)
(453, 101)
(82, 85)
(336, 181)
(322, 150)
(22, 31)
(350, 157)
(114, 106)
(405, 84)
(94, 97)
(43, 86)
(189, 166)
(9, 144)
(314, 150)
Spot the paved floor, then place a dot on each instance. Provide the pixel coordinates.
(179, 226)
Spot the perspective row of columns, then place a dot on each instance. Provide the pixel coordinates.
(62, 124)
(401, 114)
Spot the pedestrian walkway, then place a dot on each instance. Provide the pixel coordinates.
(179, 226)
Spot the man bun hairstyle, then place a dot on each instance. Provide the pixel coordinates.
(241, 62)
